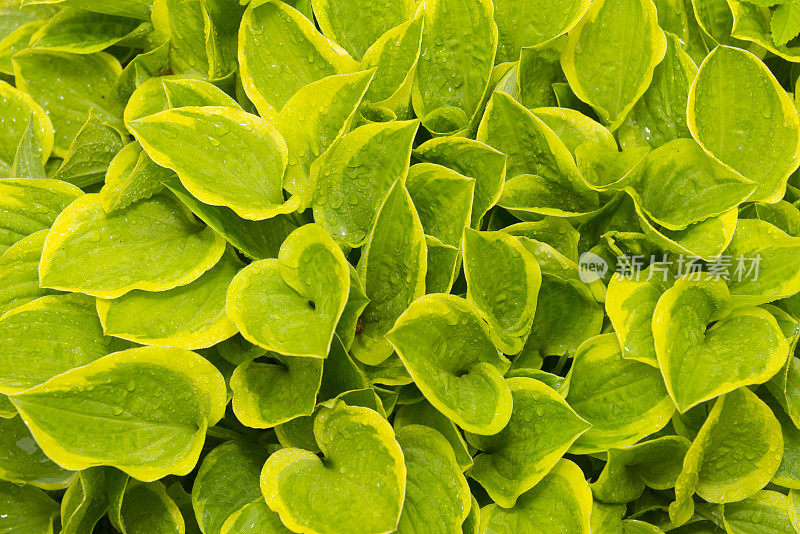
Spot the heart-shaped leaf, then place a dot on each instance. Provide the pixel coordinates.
(624, 400)
(700, 362)
(158, 401)
(763, 512)
(736, 452)
(561, 502)
(437, 494)
(503, 281)
(759, 134)
(447, 348)
(312, 120)
(149, 508)
(541, 429)
(443, 200)
(355, 174)
(358, 489)
(291, 304)
(597, 60)
(153, 245)
(281, 51)
(241, 166)
(451, 81)
(679, 184)
(268, 394)
(393, 265)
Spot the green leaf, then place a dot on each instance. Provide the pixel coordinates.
(186, 317)
(752, 23)
(659, 115)
(356, 24)
(268, 394)
(83, 32)
(443, 200)
(103, 254)
(437, 495)
(19, 266)
(423, 413)
(785, 23)
(561, 502)
(280, 52)
(46, 337)
(357, 300)
(759, 133)
(28, 158)
(451, 80)
(240, 166)
(394, 56)
(228, 479)
(447, 348)
(543, 175)
(567, 315)
(611, 55)
(168, 92)
(393, 266)
(312, 120)
(503, 281)
(22, 113)
(355, 174)
(541, 429)
(700, 362)
(678, 184)
(90, 153)
(706, 239)
(26, 509)
(254, 518)
(358, 488)
(254, 239)
(443, 262)
(472, 159)
(759, 269)
(630, 304)
(139, 9)
(159, 401)
(624, 400)
(84, 502)
(131, 176)
(521, 24)
(148, 508)
(655, 464)
(291, 304)
(734, 455)
(69, 87)
(766, 511)
(23, 462)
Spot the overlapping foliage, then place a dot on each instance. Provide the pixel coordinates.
(350, 266)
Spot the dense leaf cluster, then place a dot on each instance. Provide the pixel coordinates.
(365, 266)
